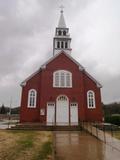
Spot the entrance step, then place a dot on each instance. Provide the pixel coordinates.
(42, 127)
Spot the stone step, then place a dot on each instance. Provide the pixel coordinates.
(45, 128)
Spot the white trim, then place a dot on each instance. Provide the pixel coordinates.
(29, 77)
(23, 84)
(43, 66)
(89, 98)
(62, 52)
(81, 68)
(97, 83)
(74, 113)
(35, 98)
(62, 95)
(59, 72)
(50, 116)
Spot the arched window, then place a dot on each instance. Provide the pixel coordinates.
(64, 33)
(32, 95)
(66, 45)
(62, 79)
(91, 99)
(59, 33)
(62, 98)
(58, 44)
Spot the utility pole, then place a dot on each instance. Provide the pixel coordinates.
(9, 113)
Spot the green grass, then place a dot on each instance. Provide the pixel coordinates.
(26, 142)
(45, 151)
(116, 134)
(23, 145)
(26, 139)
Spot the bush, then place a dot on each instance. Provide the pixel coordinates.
(114, 119)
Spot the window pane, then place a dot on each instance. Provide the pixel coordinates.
(30, 102)
(66, 45)
(59, 32)
(62, 80)
(67, 79)
(57, 79)
(32, 99)
(58, 44)
(91, 100)
(64, 33)
(62, 46)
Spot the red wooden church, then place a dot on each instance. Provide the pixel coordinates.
(61, 91)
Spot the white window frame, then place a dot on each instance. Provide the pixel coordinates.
(91, 99)
(60, 72)
(35, 98)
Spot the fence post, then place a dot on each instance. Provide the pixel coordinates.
(111, 131)
(91, 127)
(104, 133)
(96, 130)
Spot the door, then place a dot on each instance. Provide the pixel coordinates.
(74, 113)
(50, 113)
(62, 110)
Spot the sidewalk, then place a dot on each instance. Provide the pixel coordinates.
(82, 146)
(103, 136)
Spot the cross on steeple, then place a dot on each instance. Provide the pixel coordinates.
(62, 23)
(62, 40)
(62, 7)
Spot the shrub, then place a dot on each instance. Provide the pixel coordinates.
(114, 119)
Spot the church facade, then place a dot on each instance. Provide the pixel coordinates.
(61, 91)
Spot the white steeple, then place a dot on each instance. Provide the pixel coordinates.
(62, 38)
(61, 23)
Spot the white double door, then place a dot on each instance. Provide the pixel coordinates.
(63, 114)
(62, 111)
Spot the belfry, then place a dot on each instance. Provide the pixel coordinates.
(62, 38)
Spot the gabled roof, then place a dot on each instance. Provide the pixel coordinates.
(23, 83)
(70, 57)
(81, 68)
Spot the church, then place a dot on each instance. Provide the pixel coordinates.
(61, 91)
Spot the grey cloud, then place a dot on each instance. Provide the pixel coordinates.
(111, 89)
(26, 33)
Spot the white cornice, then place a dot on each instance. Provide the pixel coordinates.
(23, 84)
(43, 67)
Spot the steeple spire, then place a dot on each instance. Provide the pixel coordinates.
(62, 40)
(61, 23)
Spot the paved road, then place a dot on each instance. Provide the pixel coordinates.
(82, 146)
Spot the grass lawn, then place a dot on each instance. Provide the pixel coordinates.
(116, 134)
(25, 145)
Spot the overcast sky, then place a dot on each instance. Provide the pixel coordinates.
(27, 29)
